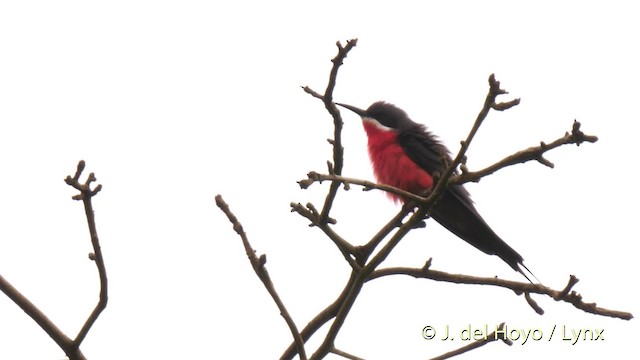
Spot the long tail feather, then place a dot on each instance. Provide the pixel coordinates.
(455, 211)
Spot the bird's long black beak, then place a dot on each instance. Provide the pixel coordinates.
(353, 108)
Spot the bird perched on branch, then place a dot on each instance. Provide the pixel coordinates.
(405, 155)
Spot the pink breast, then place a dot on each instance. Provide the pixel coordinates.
(390, 164)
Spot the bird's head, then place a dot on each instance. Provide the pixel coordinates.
(384, 115)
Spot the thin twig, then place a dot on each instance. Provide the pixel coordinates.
(489, 103)
(395, 222)
(338, 149)
(313, 177)
(86, 193)
(345, 354)
(533, 153)
(258, 266)
(344, 246)
(476, 344)
(534, 305)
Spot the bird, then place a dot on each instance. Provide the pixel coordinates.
(406, 155)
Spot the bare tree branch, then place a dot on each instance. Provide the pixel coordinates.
(450, 176)
(362, 254)
(365, 260)
(70, 347)
(519, 288)
(258, 266)
(63, 341)
(533, 153)
(322, 318)
(360, 279)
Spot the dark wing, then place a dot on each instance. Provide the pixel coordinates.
(455, 210)
(424, 149)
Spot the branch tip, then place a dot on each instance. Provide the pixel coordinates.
(86, 193)
(541, 159)
(79, 170)
(262, 260)
(563, 294)
(505, 105)
(330, 168)
(533, 304)
(427, 264)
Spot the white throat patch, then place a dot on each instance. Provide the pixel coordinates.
(377, 124)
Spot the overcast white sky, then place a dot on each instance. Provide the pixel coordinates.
(173, 102)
